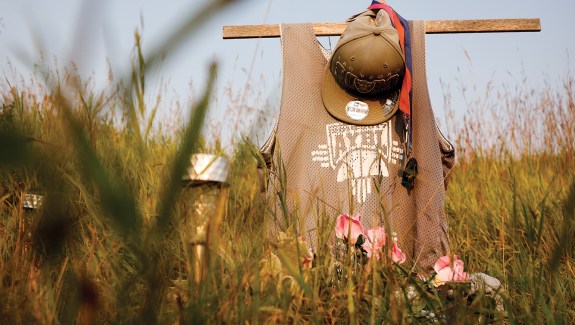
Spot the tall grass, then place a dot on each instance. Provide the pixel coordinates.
(106, 246)
(511, 199)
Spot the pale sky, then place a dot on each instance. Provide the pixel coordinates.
(91, 32)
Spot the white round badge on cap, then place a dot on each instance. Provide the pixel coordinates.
(357, 110)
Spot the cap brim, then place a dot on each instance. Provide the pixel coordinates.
(335, 100)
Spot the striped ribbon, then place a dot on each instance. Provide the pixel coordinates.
(402, 27)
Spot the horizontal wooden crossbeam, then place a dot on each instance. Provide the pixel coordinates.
(431, 27)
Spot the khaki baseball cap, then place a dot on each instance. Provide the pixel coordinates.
(363, 77)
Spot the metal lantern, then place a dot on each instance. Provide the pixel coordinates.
(205, 192)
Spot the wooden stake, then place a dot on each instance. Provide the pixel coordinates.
(431, 27)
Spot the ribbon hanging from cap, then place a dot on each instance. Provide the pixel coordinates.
(402, 28)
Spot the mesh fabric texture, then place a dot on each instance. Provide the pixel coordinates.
(328, 167)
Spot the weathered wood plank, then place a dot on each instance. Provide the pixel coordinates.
(432, 27)
(483, 26)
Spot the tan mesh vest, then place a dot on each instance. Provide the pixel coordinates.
(335, 168)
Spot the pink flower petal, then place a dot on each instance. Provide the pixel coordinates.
(375, 239)
(442, 262)
(397, 255)
(449, 270)
(341, 226)
(348, 226)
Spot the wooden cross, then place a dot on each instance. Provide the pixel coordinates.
(431, 27)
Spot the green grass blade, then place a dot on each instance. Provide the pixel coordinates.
(181, 162)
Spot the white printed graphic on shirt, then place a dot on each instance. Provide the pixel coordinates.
(358, 153)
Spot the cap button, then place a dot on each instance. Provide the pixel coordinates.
(377, 32)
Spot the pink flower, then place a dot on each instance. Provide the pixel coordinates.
(397, 255)
(448, 270)
(375, 241)
(346, 226)
(374, 238)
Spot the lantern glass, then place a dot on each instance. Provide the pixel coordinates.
(203, 200)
